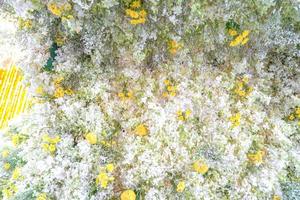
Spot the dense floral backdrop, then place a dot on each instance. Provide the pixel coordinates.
(153, 99)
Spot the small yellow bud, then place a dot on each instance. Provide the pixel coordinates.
(180, 186)
(91, 138)
(128, 195)
(110, 167)
(6, 166)
(141, 130)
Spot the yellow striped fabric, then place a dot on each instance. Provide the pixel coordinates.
(13, 94)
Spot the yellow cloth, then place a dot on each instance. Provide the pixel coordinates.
(13, 94)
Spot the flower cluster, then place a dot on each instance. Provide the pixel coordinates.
(136, 13)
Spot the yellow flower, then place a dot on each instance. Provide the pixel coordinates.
(121, 95)
(245, 41)
(256, 158)
(125, 95)
(135, 4)
(103, 179)
(200, 167)
(24, 24)
(54, 9)
(165, 94)
(137, 21)
(232, 32)
(6, 166)
(188, 113)
(141, 130)
(298, 112)
(91, 138)
(42, 196)
(5, 153)
(245, 33)
(45, 146)
(9, 191)
(236, 41)
(180, 186)
(15, 139)
(59, 39)
(235, 120)
(50, 143)
(39, 90)
(59, 92)
(69, 91)
(172, 94)
(182, 116)
(131, 13)
(128, 195)
(276, 197)
(240, 39)
(173, 46)
(167, 82)
(291, 117)
(143, 13)
(129, 94)
(51, 148)
(57, 81)
(171, 88)
(110, 167)
(16, 174)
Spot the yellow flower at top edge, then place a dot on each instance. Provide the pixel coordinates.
(128, 195)
(59, 10)
(200, 167)
(55, 9)
(180, 186)
(141, 130)
(256, 158)
(276, 197)
(42, 196)
(135, 4)
(137, 15)
(91, 138)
